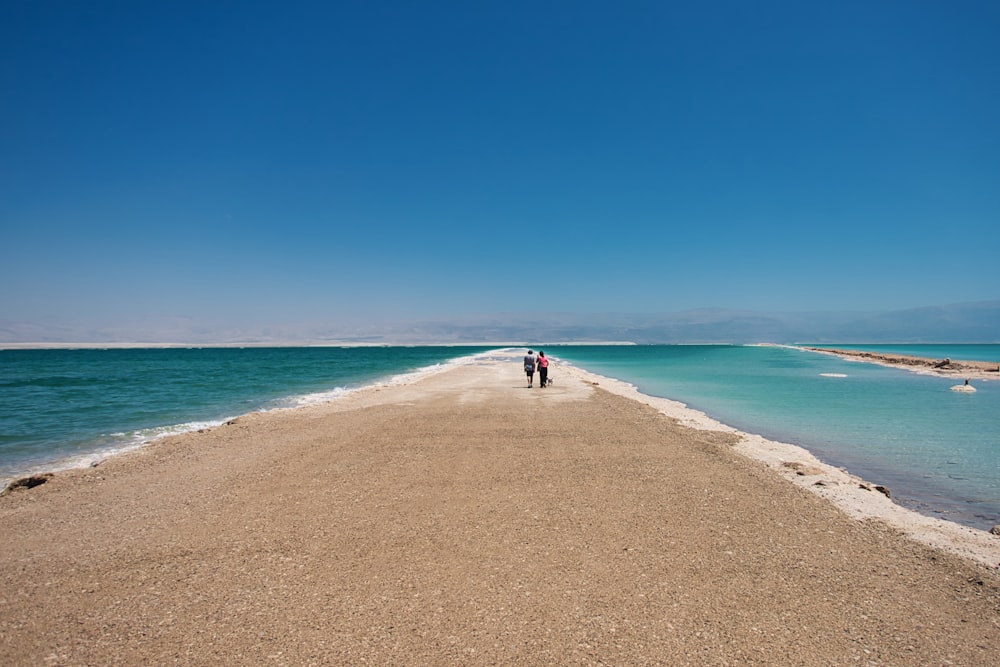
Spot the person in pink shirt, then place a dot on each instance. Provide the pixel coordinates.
(543, 369)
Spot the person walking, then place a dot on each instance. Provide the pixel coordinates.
(529, 367)
(543, 369)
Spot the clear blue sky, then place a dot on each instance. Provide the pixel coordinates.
(281, 162)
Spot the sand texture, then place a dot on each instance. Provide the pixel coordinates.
(468, 520)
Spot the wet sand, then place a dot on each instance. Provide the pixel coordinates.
(466, 519)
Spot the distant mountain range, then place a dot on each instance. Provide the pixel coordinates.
(957, 323)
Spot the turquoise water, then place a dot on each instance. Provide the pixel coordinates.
(937, 450)
(60, 407)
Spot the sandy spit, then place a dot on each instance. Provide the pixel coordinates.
(466, 519)
(981, 370)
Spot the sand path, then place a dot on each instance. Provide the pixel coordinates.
(466, 519)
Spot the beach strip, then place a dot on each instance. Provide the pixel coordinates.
(980, 370)
(466, 519)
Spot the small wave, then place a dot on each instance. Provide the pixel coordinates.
(833, 375)
(145, 435)
(127, 441)
(314, 398)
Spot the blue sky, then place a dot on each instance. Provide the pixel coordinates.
(256, 164)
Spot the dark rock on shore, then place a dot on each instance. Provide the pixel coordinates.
(28, 482)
